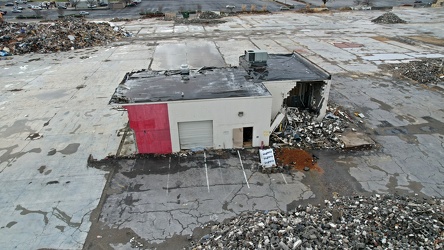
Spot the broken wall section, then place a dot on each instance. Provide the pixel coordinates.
(304, 95)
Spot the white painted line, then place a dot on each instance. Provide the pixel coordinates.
(206, 171)
(168, 179)
(242, 165)
(221, 177)
(284, 178)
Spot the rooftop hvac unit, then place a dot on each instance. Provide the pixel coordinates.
(184, 69)
(256, 57)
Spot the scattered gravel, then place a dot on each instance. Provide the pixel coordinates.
(426, 71)
(388, 18)
(61, 35)
(375, 222)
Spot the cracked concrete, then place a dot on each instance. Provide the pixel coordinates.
(175, 197)
(404, 118)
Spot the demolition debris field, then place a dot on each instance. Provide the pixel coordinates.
(53, 199)
(66, 34)
(359, 222)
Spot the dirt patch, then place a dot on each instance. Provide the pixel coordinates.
(298, 159)
(429, 39)
(381, 38)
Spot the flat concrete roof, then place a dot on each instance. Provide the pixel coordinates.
(211, 83)
(205, 83)
(293, 66)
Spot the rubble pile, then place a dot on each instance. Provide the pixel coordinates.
(206, 17)
(62, 35)
(300, 129)
(209, 15)
(197, 21)
(426, 71)
(388, 18)
(375, 222)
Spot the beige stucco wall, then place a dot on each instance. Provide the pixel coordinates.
(224, 114)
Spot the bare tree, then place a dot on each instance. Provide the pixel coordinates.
(74, 3)
(264, 8)
(367, 2)
(160, 8)
(253, 8)
(91, 3)
(363, 2)
(127, 2)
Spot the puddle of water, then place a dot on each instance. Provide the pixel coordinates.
(25, 211)
(41, 169)
(8, 155)
(382, 104)
(50, 95)
(10, 224)
(19, 126)
(70, 149)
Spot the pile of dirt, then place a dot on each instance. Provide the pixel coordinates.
(425, 71)
(388, 18)
(297, 158)
(62, 35)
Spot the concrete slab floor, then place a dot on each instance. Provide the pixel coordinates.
(51, 199)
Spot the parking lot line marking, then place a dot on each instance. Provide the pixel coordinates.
(242, 165)
(168, 178)
(206, 171)
(221, 176)
(284, 178)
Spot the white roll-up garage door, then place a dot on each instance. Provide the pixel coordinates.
(196, 134)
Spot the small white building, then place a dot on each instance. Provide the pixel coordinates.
(219, 108)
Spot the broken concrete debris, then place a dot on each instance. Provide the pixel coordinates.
(359, 222)
(388, 18)
(426, 71)
(61, 35)
(300, 129)
(207, 17)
